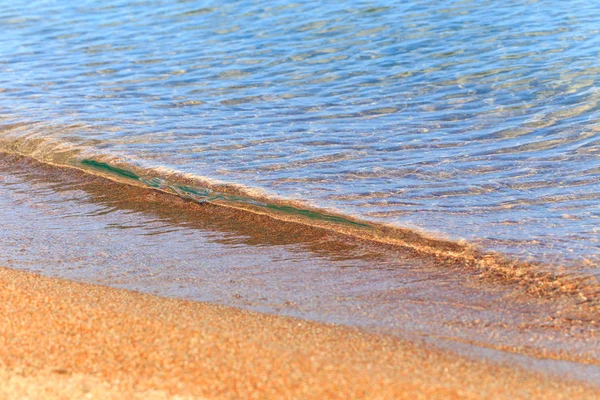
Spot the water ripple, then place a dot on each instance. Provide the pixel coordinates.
(478, 120)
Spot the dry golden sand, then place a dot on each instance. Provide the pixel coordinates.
(60, 339)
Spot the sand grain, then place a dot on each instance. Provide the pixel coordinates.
(60, 339)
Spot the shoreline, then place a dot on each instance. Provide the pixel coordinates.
(82, 338)
(76, 226)
(539, 279)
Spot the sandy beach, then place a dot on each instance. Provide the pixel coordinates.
(61, 339)
(299, 200)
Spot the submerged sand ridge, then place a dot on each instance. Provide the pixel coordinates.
(64, 339)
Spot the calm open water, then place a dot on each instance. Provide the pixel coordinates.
(475, 120)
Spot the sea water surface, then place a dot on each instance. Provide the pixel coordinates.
(473, 120)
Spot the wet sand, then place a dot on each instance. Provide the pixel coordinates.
(61, 339)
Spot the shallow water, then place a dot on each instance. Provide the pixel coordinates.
(68, 224)
(469, 120)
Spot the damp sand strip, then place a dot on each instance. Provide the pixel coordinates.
(61, 339)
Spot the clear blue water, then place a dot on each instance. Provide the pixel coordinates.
(475, 120)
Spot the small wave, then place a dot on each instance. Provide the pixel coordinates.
(535, 278)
